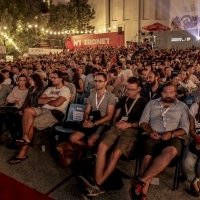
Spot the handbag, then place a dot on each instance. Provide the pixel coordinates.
(7, 110)
(95, 115)
(59, 115)
(68, 153)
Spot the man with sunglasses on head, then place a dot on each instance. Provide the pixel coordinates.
(122, 137)
(97, 115)
(164, 121)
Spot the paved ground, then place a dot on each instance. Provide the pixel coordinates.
(41, 172)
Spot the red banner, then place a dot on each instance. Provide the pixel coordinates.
(94, 40)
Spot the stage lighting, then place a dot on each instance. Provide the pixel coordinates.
(198, 38)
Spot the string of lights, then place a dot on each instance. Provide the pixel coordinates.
(51, 32)
(10, 40)
(64, 31)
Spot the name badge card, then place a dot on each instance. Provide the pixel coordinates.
(124, 118)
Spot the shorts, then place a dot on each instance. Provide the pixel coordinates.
(43, 119)
(155, 147)
(124, 140)
(97, 130)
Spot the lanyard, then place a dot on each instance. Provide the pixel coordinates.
(164, 111)
(97, 105)
(129, 110)
(152, 96)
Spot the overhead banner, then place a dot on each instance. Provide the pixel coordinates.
(186, 15)
(94, 40)
(40, 51)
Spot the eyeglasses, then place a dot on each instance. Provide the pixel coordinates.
(130, 89)
(54, 77)
(98, 81)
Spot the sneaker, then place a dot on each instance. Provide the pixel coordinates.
(93, 192)
(87, 182)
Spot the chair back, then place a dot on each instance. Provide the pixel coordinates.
(75, 112)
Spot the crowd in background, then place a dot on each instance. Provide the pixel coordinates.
(24, 80)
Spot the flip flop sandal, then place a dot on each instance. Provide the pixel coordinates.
(16, 160)
(22, 142)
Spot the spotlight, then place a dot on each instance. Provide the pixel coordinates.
(198, 38)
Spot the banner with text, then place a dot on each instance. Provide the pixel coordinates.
(94, 40)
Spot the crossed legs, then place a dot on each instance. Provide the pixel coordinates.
(28, 131)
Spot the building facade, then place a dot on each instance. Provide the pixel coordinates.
(130, 16)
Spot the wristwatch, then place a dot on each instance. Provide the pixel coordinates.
(172, 132)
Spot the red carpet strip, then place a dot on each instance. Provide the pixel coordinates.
(10, 189)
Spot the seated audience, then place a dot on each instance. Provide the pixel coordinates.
(77, 81)
(190, 162)
(97, 115)
(6, 74)
(186, 82)
(165, 120)
(143, 74)
(4, 90)
(152, 89)
(55, 101)
(71, 87)
(123, 136)
(88, 84)
(14, 122)
(14, 100)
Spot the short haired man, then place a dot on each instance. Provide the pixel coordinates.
(152, 89)
(122, 135)
(167, 72)
(88, 84)
(55, 101)
(143, 74)
(97, 115)
(165, 120)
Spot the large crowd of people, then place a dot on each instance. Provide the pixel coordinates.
(132, 95)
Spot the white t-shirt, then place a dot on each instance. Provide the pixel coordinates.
(83, 77)
(189, 85)
(125, 75)
(7, 81)
(193, 111)
(53, 92)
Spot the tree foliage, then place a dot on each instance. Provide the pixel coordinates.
(74, 15)
(25, 21)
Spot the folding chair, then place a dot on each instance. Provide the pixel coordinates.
(75, 115)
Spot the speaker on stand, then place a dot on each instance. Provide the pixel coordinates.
(119, 30)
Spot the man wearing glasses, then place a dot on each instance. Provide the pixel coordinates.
(165, 120)
(55, 101)
(122, 136)
(97, 115)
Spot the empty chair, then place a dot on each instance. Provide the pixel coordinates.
(74, 116)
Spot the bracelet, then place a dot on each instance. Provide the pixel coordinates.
(197, 140)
